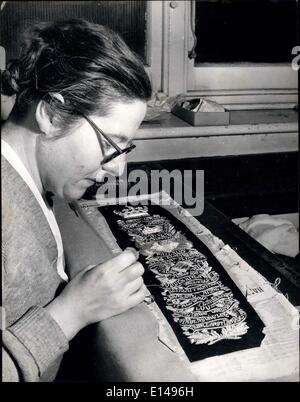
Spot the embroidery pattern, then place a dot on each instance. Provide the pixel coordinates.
(200, 303)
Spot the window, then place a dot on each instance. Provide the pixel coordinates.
(126, 17)
(138, 21)
(244, 51)
(256, 31)
(244, 47)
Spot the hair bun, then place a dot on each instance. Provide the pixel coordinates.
(9, 80)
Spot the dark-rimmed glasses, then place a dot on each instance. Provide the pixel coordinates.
(118, 150)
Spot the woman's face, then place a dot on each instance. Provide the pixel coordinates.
(70, 164)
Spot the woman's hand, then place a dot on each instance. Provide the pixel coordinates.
(99, 292)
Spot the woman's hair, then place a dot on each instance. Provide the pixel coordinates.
(88, 64)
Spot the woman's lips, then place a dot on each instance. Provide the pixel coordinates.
(87, 182)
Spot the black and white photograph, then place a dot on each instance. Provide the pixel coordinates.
(150, 194)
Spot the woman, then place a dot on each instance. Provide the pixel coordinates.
(80, 97)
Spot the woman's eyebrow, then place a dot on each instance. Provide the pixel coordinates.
(119, 137)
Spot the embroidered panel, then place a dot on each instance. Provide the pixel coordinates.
(206, 310)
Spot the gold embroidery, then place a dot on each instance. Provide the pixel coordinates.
(200, 303)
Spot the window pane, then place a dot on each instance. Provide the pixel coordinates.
(126, 17)
(245, 30)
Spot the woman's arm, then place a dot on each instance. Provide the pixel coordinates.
(32, 345)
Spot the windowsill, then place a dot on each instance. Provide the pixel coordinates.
(168, 125)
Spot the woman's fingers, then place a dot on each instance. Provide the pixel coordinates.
(134, 286)
(120, 262)
(133, 272)
(137, 297)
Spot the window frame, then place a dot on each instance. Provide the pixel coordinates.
(154, 45)
(236, 86)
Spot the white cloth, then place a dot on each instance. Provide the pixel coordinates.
(11, 156)
(276, 234)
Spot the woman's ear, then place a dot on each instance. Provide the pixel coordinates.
(44, 120)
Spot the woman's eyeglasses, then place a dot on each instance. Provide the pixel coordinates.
(118, 150)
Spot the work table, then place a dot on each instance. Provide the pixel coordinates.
(126, 347)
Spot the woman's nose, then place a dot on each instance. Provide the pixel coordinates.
(116, 167)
